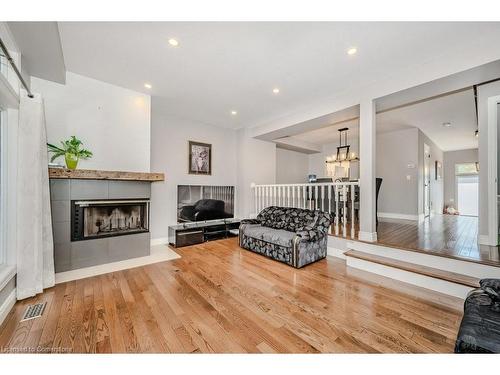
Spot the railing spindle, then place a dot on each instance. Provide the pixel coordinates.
(344, 199)
(322, 198)
(256, 206)
(352, 212)
(336, 191)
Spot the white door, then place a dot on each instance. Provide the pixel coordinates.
(468, 195)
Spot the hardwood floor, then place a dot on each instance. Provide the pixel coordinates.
(445, 235)
(220, 298)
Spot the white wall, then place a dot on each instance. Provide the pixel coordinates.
(317, 163)
(292, 167)
(397, 158)
(450, 159)
(113, 122)
(169, 154)
(256, 164)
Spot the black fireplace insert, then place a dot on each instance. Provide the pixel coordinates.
(108, 218)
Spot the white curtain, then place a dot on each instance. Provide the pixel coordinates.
(35, 245)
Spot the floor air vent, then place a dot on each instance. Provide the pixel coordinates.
(34, 311)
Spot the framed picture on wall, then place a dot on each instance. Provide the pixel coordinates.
(200, 158)
(439, 170)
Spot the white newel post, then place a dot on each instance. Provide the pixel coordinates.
(367, 166)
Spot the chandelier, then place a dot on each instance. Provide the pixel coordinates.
(338, 165)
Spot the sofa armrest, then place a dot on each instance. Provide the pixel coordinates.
(491, 287)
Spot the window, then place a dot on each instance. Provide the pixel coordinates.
(466, 168)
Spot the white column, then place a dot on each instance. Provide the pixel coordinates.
(367, 173)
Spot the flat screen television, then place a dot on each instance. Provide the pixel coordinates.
(204, 202)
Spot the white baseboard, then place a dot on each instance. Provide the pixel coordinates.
(485, 240)
(159, 241)
(464, 267)
(391, 215)
(331, 251)
(438, 285)
(421, 218)
(367, 236)
(8, 304)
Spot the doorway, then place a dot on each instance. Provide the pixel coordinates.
(427, 180)
(468, 195)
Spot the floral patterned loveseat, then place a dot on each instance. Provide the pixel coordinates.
(293, 236)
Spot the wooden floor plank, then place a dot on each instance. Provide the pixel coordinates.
(220, 298)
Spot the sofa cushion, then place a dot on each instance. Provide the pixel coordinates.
(275, 236)
(287, 218)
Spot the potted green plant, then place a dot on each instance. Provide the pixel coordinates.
(71, 150)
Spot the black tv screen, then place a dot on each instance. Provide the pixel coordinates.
(202, 202)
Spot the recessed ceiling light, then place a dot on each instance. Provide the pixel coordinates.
(352, 51)
(276, 90)
(173, 42)
(447, 124)
(148, 85)
(234, 113)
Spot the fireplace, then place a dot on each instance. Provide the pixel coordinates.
(108, 218)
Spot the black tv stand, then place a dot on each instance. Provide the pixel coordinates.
(192, 233)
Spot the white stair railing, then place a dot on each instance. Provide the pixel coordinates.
(332, 197)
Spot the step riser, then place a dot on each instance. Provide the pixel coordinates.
(446, 264)
(423, 281)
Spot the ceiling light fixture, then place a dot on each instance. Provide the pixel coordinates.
(276, 90)
(447, 124)
(234, 113)
(148, 85)
(173, 42)
(352, 51)
(343, 158)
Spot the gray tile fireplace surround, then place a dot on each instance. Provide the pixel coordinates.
(70, 255)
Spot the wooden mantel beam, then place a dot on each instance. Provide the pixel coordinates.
(90, 174)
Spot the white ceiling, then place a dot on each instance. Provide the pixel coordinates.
(42, 54)
(457, 109)
(219, 67)
(329, 134)
(429, 116)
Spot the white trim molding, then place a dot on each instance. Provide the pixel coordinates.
(8, 97)
(438, 285)
(463, 267)
(7, 272)
(367, 236)
(159, 241)
(484, 239)
(493, 103)
(391, 215)
(8, 304)
(421, 218)
(334, 252)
